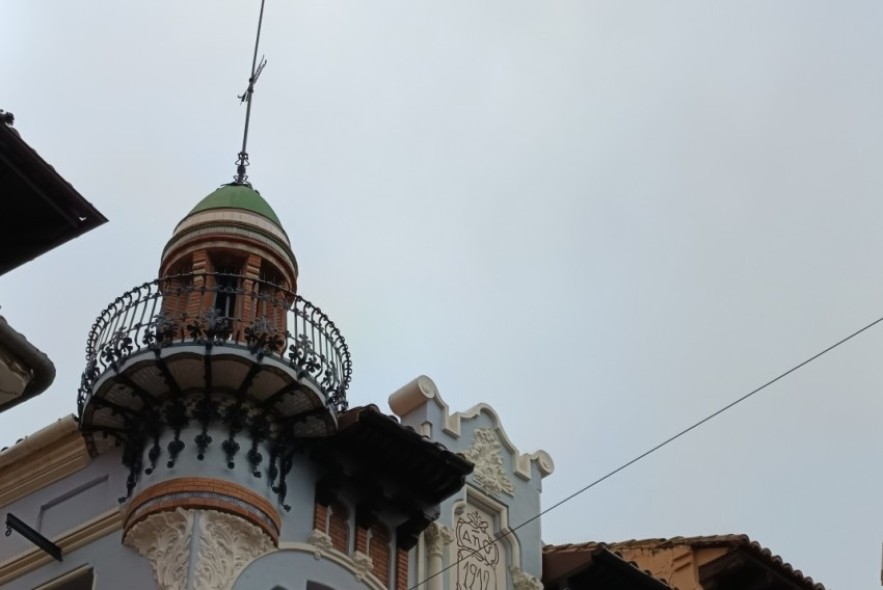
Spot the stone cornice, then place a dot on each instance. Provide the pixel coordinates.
(91, 530)
(42, 458)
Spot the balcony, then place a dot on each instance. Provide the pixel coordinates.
(213, 334)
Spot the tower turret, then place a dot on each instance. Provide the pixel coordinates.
(232, 230)
(217, 368)
(223, 392)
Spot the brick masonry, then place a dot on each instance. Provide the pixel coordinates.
(207, 494)
(401, 569)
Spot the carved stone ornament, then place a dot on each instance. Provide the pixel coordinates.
(321, 541)
(227, 544)
(164, 539)
(437, 537)
(480, 562)
(364, 564)
(485, 453)
(524, 581)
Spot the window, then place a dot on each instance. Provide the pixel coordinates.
(379, 550)
(339, 526)
(226, 286)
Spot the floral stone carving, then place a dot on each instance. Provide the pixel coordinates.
(364, 564)
(227, 544)
(164, 539)
(321, 541)
(485, 453)
(437, 537)
(524, 581)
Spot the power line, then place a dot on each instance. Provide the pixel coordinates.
(652, 450)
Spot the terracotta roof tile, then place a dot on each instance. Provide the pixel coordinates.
(556, 556)
(730, 540)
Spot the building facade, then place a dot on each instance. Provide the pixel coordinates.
(214, 446)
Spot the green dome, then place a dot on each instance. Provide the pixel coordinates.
(237, 196)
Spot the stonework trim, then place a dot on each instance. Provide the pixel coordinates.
(47, 456)
(341, 559)
(524, 581)
(321, 542)
(508, 537)
(240, 216)
(228, 544)
(88, 532)
(422, 390)
(164, 539)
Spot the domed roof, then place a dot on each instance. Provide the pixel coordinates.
(237, 196)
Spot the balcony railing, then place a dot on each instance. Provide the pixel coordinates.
(216, 309)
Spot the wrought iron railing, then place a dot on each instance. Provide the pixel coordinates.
(217, 309)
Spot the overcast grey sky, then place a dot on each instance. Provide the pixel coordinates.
(606, 219)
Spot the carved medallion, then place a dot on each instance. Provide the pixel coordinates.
(479, 564)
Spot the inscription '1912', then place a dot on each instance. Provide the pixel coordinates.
(478, 555)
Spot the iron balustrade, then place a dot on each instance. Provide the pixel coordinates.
(220, 309)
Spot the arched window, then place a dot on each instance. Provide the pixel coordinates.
(227, 269)
(339, 526)
(380, 551)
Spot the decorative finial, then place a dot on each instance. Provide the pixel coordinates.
(256, 69)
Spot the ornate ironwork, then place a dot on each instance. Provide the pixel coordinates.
(216, 309)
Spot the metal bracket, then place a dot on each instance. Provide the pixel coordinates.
(14, 523)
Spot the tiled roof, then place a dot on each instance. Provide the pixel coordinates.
(400, 452)
(563, 561)
(41, 209)
(732, 541)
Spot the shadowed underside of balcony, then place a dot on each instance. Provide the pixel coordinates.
(207, 359)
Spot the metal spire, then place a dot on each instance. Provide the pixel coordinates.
(245, 97)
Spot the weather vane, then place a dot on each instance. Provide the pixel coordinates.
(245, 97)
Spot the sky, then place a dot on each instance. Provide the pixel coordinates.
(606, 219)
